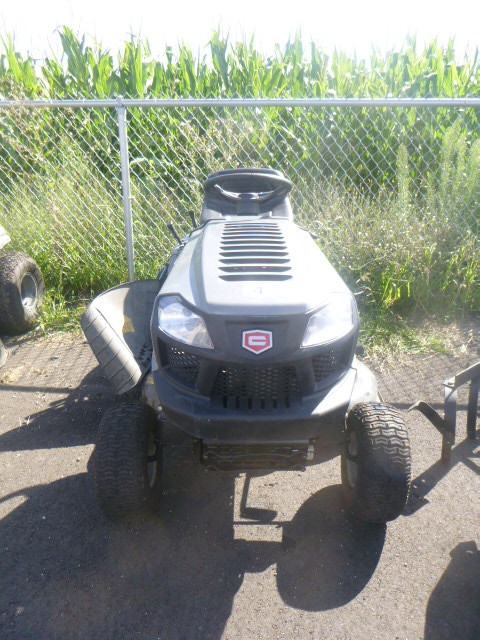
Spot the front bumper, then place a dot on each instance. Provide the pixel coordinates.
(320, 416)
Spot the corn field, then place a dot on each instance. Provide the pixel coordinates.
(235, 71)
(391, 192)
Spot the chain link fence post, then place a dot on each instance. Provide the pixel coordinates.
(126, 194)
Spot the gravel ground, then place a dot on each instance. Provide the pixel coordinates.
(289, 564)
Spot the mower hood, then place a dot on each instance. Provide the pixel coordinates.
(251, 267)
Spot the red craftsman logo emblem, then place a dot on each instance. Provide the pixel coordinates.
(257, 341)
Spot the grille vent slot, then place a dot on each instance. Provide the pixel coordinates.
(184, 366)
(254, 251)
(329, 363)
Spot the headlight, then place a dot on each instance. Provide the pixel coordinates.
(333, 321)
(181, 323)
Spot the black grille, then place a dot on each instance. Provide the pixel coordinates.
(254, 251)
(328, 363)
(256, 388)
(266, 388)
(183, 365)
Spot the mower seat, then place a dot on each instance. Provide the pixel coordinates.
(232, 193)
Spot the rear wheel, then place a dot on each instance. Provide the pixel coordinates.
(21, 293)
(127, 461)
(375, 462)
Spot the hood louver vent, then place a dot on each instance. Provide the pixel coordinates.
(254, 251)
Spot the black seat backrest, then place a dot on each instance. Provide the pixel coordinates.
(246, 192)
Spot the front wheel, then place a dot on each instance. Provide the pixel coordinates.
(21, 293)
(127, 461)
(375, 462)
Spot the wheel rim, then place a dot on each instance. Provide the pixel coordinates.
(29, 291)
(152, 460)
(351, 465)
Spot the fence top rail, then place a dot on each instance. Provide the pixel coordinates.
(241, 102)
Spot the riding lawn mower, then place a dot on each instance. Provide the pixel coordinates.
(246, 341)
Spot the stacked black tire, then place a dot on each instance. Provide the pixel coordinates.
(22, 290)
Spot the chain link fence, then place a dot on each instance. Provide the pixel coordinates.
(391, 188)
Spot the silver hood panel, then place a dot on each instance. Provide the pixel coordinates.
(253, 267)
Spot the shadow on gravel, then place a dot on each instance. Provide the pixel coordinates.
(328, 558)
(453, 609)
(68, 422)
(421, 486)
(69, 573)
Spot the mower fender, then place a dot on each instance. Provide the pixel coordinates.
(4, 238)
(365, 386)
(3, 353)
(117, 327)
(149, 392)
